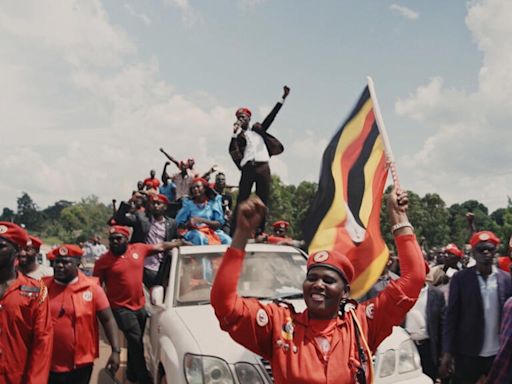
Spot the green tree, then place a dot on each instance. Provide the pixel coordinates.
(28, 213)
(7, 215)
(81, 220)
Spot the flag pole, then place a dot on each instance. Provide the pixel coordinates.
(382, 129)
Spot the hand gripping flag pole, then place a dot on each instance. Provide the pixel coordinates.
(382, 129)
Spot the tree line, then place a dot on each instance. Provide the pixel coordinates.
(436, 224)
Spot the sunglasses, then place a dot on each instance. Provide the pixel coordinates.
(480, 248)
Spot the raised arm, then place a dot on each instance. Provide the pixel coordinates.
(224, 291)
(272, 115)
(176, 162)
(165, 175)
(392, 304)
(208, 173)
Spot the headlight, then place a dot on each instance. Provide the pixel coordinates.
(408, 357)
(206, 370)
(387, 367)
(248, 374)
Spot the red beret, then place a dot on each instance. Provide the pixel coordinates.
(14, 234)
(35, 242)
(281, 224)
(125, 231)
(245, 111)
(52, 254)
(200, 180)
(159, 197)
(452, 248)
(69, 250)
(483, 236)
(333, 260)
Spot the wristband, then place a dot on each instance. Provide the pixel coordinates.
(116, 350)
(404, 224)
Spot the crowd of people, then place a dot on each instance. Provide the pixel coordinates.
(457, 309)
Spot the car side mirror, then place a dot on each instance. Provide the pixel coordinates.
(157, 296)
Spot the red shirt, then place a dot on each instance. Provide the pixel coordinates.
(25, 332)
(155, 183)
(122, 276)
(70, 305)
(292, 341)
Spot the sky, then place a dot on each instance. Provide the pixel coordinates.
(91, 89)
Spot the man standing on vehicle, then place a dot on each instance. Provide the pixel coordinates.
(251, 149)
(120, 270)
(77, 302)
(25, 321)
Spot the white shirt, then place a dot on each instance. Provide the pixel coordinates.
(490, 302)
(416, 319)
(256, 149)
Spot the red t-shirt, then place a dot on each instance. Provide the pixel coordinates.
(155, 183)
(122, 276)
(64, 319)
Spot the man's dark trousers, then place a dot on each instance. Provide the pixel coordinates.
(253, 172)
(132, 323)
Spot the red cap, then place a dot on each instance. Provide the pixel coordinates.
(453, 249)
(125, 231)
(14, 233)
(244, 110)
(281, 224)
(483, 236)
(159, 197)
(35, 242)
(333, 260)
(201, 180)
(69, 250)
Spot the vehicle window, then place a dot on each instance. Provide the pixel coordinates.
(265, 275)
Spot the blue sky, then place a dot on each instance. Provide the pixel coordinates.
(91, 89)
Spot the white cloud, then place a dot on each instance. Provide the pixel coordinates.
(83, 114)
(468, 154)
(251, 4)
(141, 16)
(408, 13)
(189, 15)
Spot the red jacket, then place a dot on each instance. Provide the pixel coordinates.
(286, 339)
(26, 333)
(86, 326)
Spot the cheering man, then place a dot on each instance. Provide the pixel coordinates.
(251, 148)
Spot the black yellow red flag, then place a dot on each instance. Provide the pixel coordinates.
(345, 214)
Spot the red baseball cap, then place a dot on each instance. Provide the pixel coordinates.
(14, 234)
(125, 231)
(483, 236)
(35, 242)
(333, 260)
(69, 250)
(453, 249)
(243, 110)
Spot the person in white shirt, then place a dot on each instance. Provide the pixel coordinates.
(251, 148)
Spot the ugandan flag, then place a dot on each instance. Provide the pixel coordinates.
(345, 214)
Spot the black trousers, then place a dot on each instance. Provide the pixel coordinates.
(428, 365)
(253, 173)
(132, 324)
(76, 376)
(468, 369)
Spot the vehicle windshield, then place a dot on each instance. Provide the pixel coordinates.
(265, 275)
